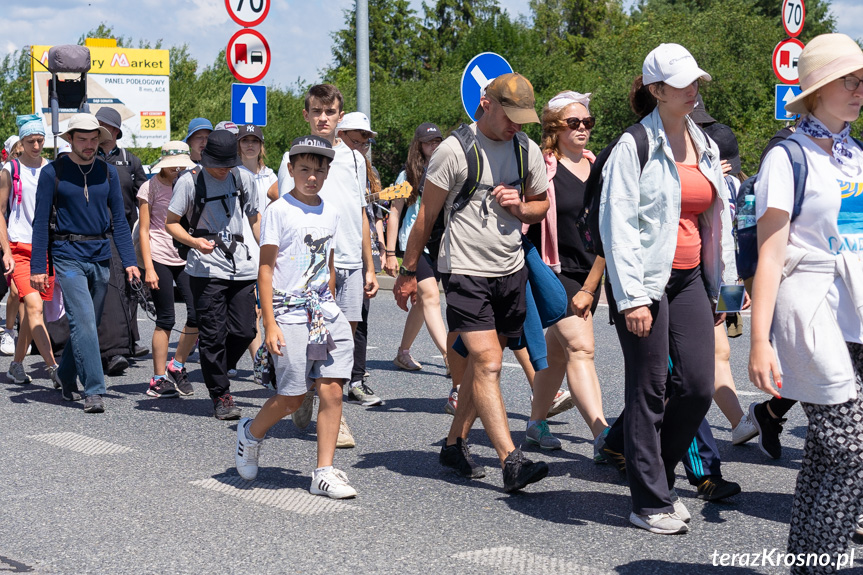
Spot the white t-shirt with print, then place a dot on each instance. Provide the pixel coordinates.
(345, 188)
(831, 215)
(20, 220)
(305, 236)
(263, 180)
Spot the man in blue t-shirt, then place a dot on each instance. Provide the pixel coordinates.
(85, 193)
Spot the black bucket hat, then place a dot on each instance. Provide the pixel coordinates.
(221, 150)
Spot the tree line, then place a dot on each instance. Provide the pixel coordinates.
(417, 60)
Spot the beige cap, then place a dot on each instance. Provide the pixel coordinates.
(86, 123)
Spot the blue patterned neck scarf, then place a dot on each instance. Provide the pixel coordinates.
(842, 146)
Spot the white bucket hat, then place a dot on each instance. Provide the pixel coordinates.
(356, 121)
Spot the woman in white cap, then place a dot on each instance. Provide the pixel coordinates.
(162, 267)
(666, 233)
(807, 329)
(566, 126)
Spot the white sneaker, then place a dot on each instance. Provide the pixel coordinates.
(744, 431)
(562, 402)
(246, 456)
(7, 342)
(303, 416)
(679, 508)
(404, 361)
(346, 438)
(333, 484)
(16, 373)
(661, 523)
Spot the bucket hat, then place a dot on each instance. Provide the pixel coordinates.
(221, 150)
(85, 123)
(111, 117)
(196, 124)
(356, 121)
(174, 155)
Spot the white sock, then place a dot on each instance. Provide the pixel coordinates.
(326, 469)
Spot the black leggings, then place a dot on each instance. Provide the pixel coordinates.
(163, 298)
(657, 434)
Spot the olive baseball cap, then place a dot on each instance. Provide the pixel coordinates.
(515, 94)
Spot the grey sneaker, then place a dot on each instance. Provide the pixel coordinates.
(94, 404)
(679, 508)
(55, 377)
(71, 395)
(16, 373)
(744, 431)
(303, 416)
(363, 395)
(539, 434)
(224, 408)
(661, 523)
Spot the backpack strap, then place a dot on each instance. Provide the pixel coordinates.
(200, 199)
(800, 169)
(642, 146)
(520, 142)
(469, 145)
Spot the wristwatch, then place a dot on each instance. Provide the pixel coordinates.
(403, 271)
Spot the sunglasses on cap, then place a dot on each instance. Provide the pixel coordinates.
(574, 123)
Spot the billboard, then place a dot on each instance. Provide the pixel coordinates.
(132, 81)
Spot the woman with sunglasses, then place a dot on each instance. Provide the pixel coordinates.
(427, 137)
(807, 330)
(666, 232)
(566, 126)
(162, 266)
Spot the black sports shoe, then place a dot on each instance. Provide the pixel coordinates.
(458, 457)
(140, 350)
(94, 404)
(224, 408)
(768, 428)
(519, 471)
(116, 365)
(180, 379)
(714, 488)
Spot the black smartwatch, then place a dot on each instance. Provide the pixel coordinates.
(403, 271)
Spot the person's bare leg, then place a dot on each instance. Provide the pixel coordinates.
(413, 325)
(523, 358)
(329, 418)
(273, 410)
(547, 381)
(486, 354)
(12, 304)
(725, 394)
(186, 343)
(161, 338)
(576, 338)
(35, 331)
(430, 297)
(457, 363)
(465, 415)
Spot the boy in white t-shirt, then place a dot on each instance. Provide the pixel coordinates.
(296, 282)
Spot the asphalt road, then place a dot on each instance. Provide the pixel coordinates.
(150, 486)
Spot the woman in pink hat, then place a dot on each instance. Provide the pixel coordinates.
(807, 309)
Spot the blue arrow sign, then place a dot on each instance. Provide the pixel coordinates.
(248, 104)
(784, 94)
(482, 69)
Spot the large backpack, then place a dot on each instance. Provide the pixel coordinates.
(201, 200)
(588, 221)
(470, 146)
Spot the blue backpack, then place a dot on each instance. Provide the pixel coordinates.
(746, 239)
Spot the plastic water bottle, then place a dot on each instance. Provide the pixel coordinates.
(746, 216)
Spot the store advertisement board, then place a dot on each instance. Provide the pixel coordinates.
(132, 81)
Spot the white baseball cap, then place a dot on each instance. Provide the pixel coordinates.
(356, 121)
(672, 64)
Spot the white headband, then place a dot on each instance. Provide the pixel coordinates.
(564, 99)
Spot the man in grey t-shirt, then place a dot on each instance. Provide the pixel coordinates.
(222, 272)
(482, 265)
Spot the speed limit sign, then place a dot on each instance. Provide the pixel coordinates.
(793, 16)
(250, 13)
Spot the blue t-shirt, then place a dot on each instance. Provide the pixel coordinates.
(78, 215)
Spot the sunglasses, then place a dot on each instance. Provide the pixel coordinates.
(574, 123)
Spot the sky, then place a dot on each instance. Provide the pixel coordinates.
(298, 31)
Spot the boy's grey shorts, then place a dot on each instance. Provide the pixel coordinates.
(296, 374)
(349, 293)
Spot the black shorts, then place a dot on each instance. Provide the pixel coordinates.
(427, 268)
(572, 283)
(475, 303)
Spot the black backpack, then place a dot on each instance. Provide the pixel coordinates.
(475, 164)
(201, 200)
(588, 221)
